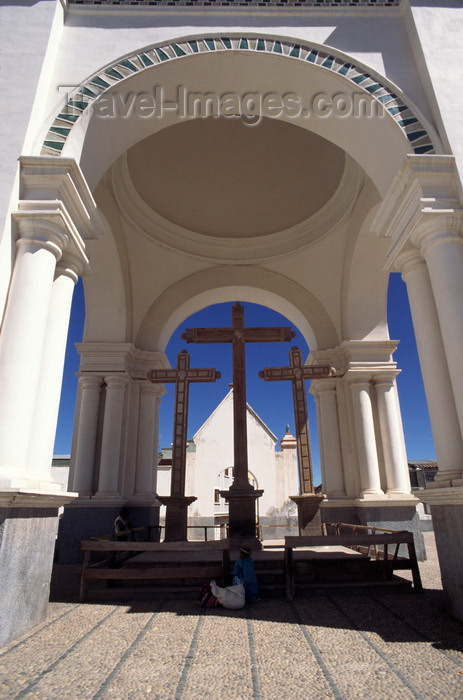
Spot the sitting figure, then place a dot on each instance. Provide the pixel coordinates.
(122, 523)
(243, 572)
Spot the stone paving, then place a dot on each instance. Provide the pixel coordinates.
(369, 645)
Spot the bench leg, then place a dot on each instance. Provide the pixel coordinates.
(417, 585)
(289, 575)
(83, 583)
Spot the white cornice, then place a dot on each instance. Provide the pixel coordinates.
(104, 358)
(426, 188)
(48, 178)
(250, 11)
(452, 496)
(23, 498)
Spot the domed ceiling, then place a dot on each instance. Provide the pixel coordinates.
(223, 178)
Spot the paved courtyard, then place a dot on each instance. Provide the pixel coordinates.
(341, 645)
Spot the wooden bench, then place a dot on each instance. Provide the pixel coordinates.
(181, 561)
(386, 561)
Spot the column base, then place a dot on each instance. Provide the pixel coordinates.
(447, 516)
(308, 513)
(27, 546)
(242, 521)
(176, 517)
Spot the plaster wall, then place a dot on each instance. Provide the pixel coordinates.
(27, 31)
(436, 36)
(379, 41)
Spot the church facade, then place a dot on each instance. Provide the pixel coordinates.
(177, 154)
(209, 470)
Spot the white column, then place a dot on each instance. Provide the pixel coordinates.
(392, 437)
(111, 441)
(51, 373)
(321, 440)
(146, 440)
(443, 252)
(21, 345)
(86, 425)
(334, 478)
(436, 378)
(370, 483)
(161, 392)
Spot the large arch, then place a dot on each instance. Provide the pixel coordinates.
(246, 283)
(317, 267)
(76, 132)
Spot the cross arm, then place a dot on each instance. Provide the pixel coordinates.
(276, 374)
(208, 335)
(277, 334)
(166, 376)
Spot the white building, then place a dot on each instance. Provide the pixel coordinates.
(209, 470)
(178, 154)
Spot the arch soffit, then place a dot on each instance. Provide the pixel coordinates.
(413, 133)
(243, 283)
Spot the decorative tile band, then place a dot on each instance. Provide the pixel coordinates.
(83, 97)
(241, 3)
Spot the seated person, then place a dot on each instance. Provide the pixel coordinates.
(122, 523)
(243, 572)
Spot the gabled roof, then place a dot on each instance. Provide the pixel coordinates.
(249, 410)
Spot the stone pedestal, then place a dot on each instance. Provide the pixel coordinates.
(176, 517)
(447, 516)
(308, 513)
(242, 522)
(28, 526)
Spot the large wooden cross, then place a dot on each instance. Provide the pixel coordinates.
(241, 513)
(238, 335)
(297, 373)
(177, 503)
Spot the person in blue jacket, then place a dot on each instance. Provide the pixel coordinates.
(243, 572)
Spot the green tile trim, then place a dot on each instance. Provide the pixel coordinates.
(56, 145)
(146, 60)
(98, 84)
(128, 64)
(60, 130)
(97, 80)
(178, 50)
(162, 55)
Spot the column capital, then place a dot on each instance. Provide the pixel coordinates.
(147, 387)
(45, 230)
(48, 223)
(386, 378)
(358, 377)
(408, 260)
(438, 227)
(117, 381)
(90, 380)
(71, 266)
(323, 385)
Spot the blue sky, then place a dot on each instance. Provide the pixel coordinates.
(271, 400)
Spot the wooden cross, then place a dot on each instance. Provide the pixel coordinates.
(238, 335)
(297, 373)
(182, 376)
